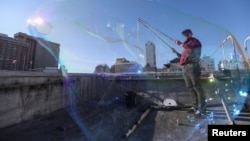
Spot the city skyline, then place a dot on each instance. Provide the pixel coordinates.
(92, 32)
(150, 61)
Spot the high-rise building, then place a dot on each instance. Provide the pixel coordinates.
(50, 50)
(150, 55)
(102, 68)
(41, 53)
(31, 48)
(25, 52)
(13, 53)
(207, 63)
(124, 66)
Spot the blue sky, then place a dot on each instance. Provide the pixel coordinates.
(92, 32)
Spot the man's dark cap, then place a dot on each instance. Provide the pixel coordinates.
(186, 31)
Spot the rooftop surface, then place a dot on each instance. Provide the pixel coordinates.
(114, 121)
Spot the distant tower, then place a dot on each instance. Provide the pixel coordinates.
(150, 54)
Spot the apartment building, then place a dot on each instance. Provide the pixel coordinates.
(27, 53)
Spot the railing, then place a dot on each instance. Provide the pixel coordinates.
(237, 47)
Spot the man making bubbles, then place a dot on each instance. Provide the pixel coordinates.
(191, 70)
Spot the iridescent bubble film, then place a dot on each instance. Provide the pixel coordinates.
(92, 33)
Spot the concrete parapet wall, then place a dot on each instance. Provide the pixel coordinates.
(27, 95)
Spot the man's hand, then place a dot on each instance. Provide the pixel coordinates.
(178, 42)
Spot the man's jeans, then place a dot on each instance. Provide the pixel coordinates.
(191, 74)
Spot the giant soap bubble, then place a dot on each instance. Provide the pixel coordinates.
(93, 32)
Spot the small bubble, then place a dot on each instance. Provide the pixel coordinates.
(115, 25)
(191, 118)
(39, 25)
(202, 130)
(210, 118)
(44, 28)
